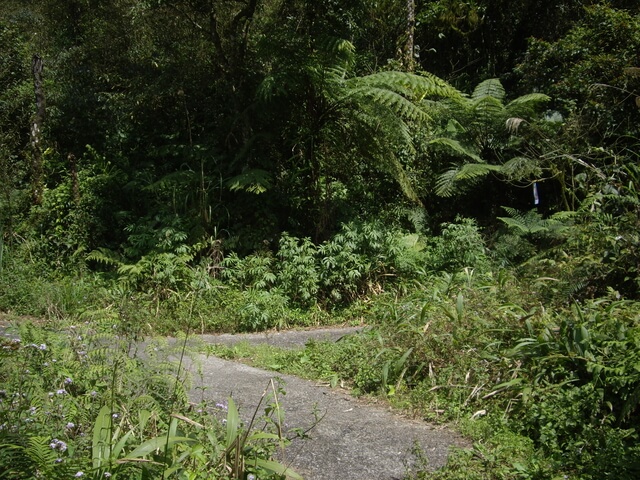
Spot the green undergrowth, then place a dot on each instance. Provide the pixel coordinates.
(542, 393)
(85, 400)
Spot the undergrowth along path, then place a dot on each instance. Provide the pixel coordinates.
(354, 440)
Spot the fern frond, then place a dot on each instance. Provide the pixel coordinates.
(271, 87)
(519, 168)
(252, 180)
(530, 99)
(488, 107)
(417, 87)
(526, 104)
(531, 222)
(489, 88)
(456, 146)
(392, 100)
(338, 47)
(106, 257)
(449, 182)
(169, 180)
(42, 455)
(471, 171)
(402, 178)
(446, 185)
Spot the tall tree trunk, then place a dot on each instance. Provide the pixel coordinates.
(36, 131)
(408, 60)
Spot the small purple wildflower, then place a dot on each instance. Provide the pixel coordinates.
(68, 381)
(79, 474)
(70, 425)
(58, 445)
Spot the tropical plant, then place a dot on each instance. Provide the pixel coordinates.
(342, 125)
(486, 131)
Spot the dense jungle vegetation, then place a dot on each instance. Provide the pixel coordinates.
(462, 177)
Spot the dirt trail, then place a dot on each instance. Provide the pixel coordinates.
(355, 440)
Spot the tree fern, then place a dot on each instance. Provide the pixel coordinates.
(521, 167)
(489, 127)
(252, 180)
(449, 183)
(455, 146)
(532, 222)
(526, 104)
(489, 88)
(348, 119)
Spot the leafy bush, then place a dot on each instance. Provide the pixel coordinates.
(358, 261)
(253, 271)
(459, 245)
(298, 274)
(362, 259)
(579, 388)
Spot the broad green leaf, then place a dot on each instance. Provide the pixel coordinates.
(277, 468)
(233, 423)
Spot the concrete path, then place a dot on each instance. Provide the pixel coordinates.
(354, 440)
